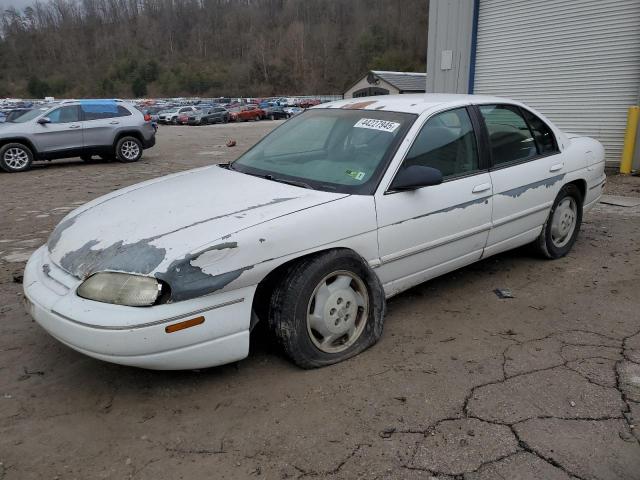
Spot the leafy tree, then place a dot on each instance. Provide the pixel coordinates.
(139, 87)
(38, 88)
(206, 47)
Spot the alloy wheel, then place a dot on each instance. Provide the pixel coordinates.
(16, 158)
(130, 150)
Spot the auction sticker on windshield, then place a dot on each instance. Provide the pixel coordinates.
(374, 124)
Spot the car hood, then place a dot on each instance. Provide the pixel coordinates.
(9, 128)
(144, 228)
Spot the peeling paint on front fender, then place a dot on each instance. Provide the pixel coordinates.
(190, 281)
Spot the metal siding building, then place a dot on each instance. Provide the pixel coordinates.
(577, 61)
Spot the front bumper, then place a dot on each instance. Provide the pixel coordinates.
(136, 336)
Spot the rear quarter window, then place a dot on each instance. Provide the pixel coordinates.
(542, 133)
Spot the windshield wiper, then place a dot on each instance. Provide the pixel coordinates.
(295, 183)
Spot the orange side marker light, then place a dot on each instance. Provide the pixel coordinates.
(182, 325)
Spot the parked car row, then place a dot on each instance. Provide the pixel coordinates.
(225, 110)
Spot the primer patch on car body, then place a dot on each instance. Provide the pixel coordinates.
(358, 105)
(445, 210)
(547, 182)
(189, 281)
(54, 238)
(139, 257)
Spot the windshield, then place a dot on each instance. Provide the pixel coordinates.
(28, 115)
(329, 149)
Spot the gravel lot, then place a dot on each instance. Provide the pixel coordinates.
(462, 384)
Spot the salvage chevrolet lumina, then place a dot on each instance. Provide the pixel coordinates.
(310, 230)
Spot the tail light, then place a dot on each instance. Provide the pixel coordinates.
(147, 117)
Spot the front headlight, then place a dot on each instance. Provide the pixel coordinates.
(121, 289)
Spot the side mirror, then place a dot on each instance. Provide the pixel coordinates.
(44, 120)
(415, 177)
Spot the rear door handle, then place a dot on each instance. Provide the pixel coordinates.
(74, 126)
(114, 123)
(483, 187)
(556, 167)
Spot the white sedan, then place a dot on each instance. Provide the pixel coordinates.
(310, 231)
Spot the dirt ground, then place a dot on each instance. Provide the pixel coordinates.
(463, 384)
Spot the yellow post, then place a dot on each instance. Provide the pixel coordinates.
(630, 140)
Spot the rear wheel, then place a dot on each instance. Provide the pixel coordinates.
(561, 229)
(15, 157)
(327, 308)
(128, 150)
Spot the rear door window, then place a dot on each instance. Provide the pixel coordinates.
(510, 139)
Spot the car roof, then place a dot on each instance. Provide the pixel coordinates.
(412, 103)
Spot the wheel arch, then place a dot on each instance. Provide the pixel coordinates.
(25, 141)
(271, 279)
(581, 184)
(127, 133)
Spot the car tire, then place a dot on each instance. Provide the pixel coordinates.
(15, 157)
(128, 150)
(225, 120)
(348, 330)
(561, 229)
(174, 120)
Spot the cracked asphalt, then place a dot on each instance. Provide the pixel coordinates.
(462, 385)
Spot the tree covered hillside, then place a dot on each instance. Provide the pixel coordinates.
(142, 48)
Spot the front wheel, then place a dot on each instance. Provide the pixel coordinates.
(327, 308)
(560, 231)
(128, 150)
(15, 157)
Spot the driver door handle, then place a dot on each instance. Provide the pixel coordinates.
(114, 123)
(483, 187)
